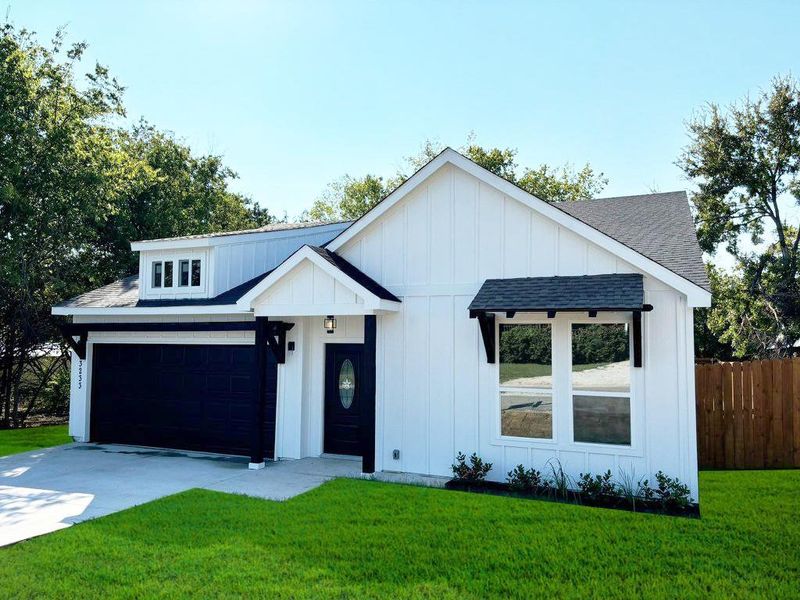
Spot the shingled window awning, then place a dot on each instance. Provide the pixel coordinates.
(619, 292)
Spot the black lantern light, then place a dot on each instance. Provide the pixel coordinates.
(330, 323)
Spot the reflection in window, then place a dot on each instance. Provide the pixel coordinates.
(601, 388)
(168, 274)
(183, 273)
(156, 274)
(195, 273)
(526, 381)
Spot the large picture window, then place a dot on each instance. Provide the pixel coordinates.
(526, 381)
(601, 383)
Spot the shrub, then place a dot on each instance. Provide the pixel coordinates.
(671, 492)
(597, 486)
(475, 471)
(525, 480)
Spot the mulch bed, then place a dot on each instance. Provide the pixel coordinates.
(496, 488)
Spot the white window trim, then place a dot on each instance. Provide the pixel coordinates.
(562, 398)
(176, 290)
(153, 265)
(188, 262)
(634, 446)
(498, 413)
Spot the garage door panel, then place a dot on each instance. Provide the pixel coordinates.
(176, 396)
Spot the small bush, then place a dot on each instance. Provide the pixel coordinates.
(671, 492)
(475, 471)
(525, 480)
(598, 486)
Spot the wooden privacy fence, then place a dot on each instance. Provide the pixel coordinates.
(748, 414)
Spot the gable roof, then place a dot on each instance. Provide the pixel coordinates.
(337, 267)
(683, 273)
(616, 291)
(658, 226)
(358, 276)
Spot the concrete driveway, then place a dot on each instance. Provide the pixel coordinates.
(46, 490)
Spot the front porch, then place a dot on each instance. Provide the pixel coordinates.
(326, 389)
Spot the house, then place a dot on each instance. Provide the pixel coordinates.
(459, 314)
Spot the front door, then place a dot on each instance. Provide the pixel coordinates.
(343, 366)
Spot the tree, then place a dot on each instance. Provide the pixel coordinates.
(172, 192)
(349, 198)
(745, 159)
(75, 189)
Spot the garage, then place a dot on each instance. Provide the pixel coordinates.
(183, 396)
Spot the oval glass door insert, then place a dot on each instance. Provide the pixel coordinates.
(347, 383)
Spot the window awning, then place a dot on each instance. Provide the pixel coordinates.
(617, 292)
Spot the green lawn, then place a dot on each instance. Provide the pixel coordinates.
(13, 441)
(516, 370)
(365, 539)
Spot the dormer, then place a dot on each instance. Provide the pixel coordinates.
(175, 274)
(205, 266)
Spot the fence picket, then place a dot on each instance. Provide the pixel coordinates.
(748, 414)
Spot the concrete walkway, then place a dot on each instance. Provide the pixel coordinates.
(46, 490)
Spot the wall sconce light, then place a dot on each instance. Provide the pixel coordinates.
(330, 323)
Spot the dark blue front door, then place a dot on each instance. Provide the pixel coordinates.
(343, 370)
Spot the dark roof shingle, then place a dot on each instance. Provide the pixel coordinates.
(619, 291)
(356, 274)
(659, 226)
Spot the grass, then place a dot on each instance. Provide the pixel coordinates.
(13, 441)
(517, 370)
(353, 538)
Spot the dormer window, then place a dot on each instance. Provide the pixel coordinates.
(195, 273)
(157, 270)
(183, 270)
(178, 276)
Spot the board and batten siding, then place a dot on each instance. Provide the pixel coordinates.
(438, 395)
(241, 260)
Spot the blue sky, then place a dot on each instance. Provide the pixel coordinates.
(296, 94)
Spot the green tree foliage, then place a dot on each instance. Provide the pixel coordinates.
(523, 344)
(75, 189)
(600, 344)
(590, 344)
(745, 159)
(350, 197)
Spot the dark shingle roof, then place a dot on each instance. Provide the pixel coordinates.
(357, 275)
(621, 291)
(119, 294)
(125, 294)
(659, 226)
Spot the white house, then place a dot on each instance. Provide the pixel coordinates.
(459, 314)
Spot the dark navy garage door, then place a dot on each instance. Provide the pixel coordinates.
(194, 397)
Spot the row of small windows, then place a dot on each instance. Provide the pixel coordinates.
(188, 273)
